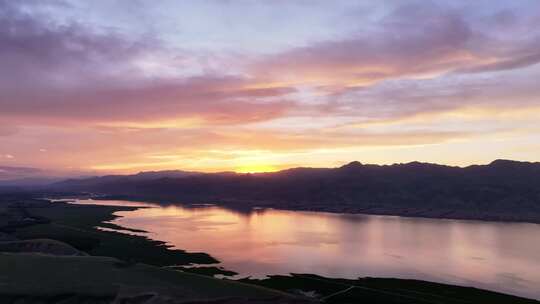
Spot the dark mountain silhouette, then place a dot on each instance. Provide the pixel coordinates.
(11, 173)
(98, 182)
(24, 178)
(502, 190)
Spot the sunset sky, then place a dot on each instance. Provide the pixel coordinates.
(125, 86)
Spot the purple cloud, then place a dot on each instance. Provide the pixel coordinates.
(412, 41)
(70, 73)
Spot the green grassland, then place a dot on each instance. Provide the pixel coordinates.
(48, 277)
(76, 226)
(387, 291)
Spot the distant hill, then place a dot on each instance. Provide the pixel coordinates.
(11, 173)
(26, 178)
(502, 190)
(98, 182)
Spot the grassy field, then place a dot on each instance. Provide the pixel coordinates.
(105, 278)
(46, 246)
(75, 225)
(387, 291)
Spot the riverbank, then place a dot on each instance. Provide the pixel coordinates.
(66, 258)
(248, 205)
(76, 225)
(384, 290)
(500, 191)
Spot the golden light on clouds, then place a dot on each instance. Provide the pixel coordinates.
(255, 168)
(425, 83)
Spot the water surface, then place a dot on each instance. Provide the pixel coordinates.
(497, 256)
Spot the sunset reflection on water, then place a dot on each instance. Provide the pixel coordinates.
(496, 256)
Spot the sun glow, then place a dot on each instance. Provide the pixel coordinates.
(255, 168)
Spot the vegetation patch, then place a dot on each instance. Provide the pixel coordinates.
(29, 278)
(387, 291)
(76, 226)
(210, 271)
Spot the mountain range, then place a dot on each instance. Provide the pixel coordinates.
(503, 190)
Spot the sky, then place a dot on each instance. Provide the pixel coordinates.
(120, 86)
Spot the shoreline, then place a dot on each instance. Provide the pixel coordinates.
(220, 267)
(210, 268)
(78, 225)
(245, 206)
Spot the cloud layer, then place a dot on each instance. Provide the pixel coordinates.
(79, 92)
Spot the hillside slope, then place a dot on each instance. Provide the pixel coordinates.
(502, 190)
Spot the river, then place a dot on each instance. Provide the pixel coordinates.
(497, 256)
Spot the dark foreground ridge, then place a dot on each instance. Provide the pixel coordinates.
(378, 290)
(503, 190)
(53, 253)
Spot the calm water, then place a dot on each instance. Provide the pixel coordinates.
(496, 256)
